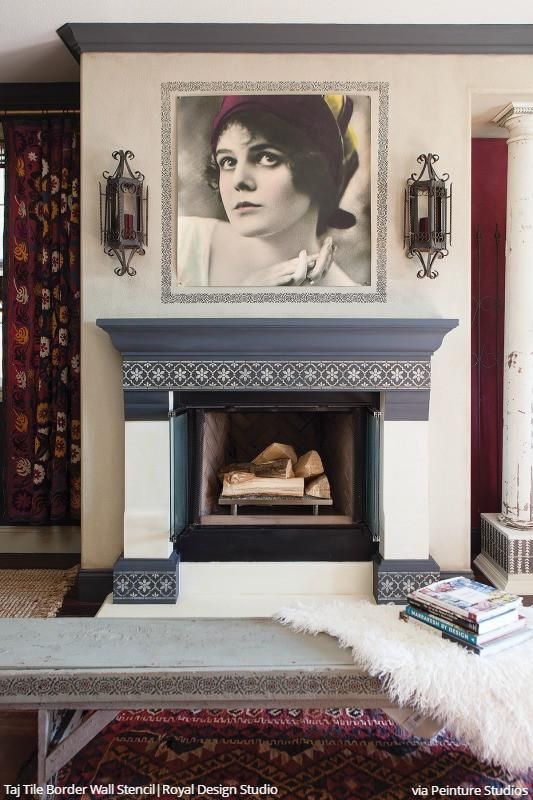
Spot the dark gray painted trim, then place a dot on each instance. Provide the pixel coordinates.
(297, 543)
(140, 564)
(147, 405)
(146, 580)
(277, 339)
(39, 96)
(466, 573)
(250, 399)
(94, 585)
(153, 405)
(395, 578)
(406, 564)
(404, 405)
(294, 38)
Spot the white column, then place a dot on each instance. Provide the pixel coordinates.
(517, 466)
(506, 556)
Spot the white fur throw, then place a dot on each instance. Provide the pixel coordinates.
(485, 702)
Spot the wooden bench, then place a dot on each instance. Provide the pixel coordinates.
(67, 667)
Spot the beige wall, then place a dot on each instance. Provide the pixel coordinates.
(429, 110)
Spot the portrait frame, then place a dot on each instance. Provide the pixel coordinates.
(372, 293)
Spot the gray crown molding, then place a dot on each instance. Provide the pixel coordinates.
(294, 38)
(245, 339)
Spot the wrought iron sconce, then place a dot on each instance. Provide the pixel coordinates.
(428, 216)
(124, 221)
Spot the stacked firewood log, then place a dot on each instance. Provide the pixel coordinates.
(277, 472)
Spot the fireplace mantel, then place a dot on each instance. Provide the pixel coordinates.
(329, 359)
(386, 355)
(267, 339)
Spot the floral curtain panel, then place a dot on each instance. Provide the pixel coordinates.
(42, 321)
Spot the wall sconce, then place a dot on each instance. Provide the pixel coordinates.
(427, 221)
(124, 223)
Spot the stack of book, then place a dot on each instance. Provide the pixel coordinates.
(480, 618)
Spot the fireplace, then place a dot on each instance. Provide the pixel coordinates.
(201, 393)
(208, 433)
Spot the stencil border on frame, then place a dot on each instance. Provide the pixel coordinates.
(376, 294)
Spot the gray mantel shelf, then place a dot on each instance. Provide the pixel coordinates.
(277, 339)
(165, 37)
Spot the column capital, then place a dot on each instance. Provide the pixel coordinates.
(517, 117)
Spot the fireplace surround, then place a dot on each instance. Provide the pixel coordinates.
(218, 373)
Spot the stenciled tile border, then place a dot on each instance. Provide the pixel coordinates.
(513, 555)
(392, 587)
(377, 375)
(146, 580)
(113, 687)
(147, 587)
(297, 295)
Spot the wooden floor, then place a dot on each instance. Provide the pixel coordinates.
(18, 737)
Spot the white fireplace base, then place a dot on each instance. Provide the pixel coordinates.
(244, 590)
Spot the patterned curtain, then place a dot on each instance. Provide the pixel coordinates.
(42, 320)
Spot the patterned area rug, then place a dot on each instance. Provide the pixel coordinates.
(336, 754)
(34, 592)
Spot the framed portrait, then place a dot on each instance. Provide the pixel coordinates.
(274, 192)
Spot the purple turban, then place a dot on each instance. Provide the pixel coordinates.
(311, 114)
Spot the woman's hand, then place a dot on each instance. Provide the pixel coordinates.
(304, 269)
(322, 263)
(286, 273)
(310, 269)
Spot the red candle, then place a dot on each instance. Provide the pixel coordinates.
(128, 226)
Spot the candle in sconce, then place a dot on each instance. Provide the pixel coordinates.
(423, 225)
(128, 226)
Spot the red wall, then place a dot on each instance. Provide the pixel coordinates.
(489, 194)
